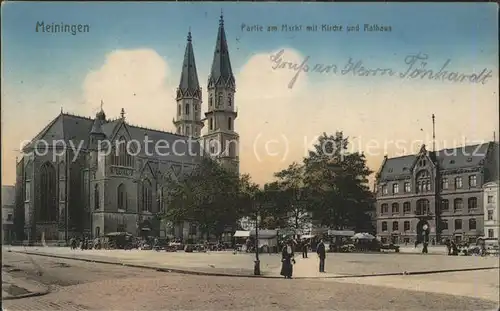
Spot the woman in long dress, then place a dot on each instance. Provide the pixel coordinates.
(287, 259)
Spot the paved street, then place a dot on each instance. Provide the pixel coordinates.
(81, 285)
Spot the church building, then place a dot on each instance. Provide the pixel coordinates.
(64, 191)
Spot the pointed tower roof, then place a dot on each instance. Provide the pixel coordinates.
(100, 119)
(221, 71)
(189, 85)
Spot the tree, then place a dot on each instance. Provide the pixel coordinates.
(337, 181)
(209, 197)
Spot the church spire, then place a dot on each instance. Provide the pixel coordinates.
(189, 85)
(221, 71)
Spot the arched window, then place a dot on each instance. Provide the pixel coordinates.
(120, 156)
(210, 101)
(472, 224)
(97, 198)
(211, 124)
(48, 182)
(229, 100)
(423, 182)
(122, 197)
(229, 123)
(147, 196)
(186, 110)
(422, 207)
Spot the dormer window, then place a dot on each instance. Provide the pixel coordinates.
(390, 170)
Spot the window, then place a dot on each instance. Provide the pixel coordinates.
(229, 100)
(472, 224)
(186, 110)
(407, 187)
(384, 226)
(188, 131)
(97, 232)
(210, 101)
(423, 182)
(444, 224)
(444, 183)
(219, 102)
(491, 233)
(384, 190)
(229, 125)
(458, 224)
(395, 208)
(62, 191)
(121, 156)
(422, 207)
(395, 188)
(121, 228)
(490, 199)
(178, 110)
(472, 181)
(62, 171)
(195, 107)
(406, 208)
(458, 204)
(384, 209)
(472, 203)
(147, 196)
(211, 124)
(86, 189)
(395, 226)
(427, 185)
(490, 214)
(445, 205)
(9, 217)
(406, 226)
(122, 197)
(96, 197)
(192, 229)
(458, 182)
(48, 194)
(161, 199)
(27, 191)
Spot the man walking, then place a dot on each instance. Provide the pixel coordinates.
(305, 246)
(320, 249)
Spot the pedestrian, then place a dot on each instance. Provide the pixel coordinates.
(321, 250)
(287, 260)
(305, 246)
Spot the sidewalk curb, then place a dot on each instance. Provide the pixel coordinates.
(28, 295)
(191, 272)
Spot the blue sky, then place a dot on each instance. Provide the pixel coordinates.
(66, 70)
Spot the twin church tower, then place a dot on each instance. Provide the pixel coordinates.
(221, 138)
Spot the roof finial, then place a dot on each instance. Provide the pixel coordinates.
(61, 110)
(122, 114)
(189, 34)
(221, 21)
(102, 103)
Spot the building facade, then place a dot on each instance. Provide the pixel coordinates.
(8, 207)
(110, 180)
(442, 189)
(491, 210)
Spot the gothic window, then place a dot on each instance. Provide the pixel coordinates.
(211, 124)
(48, 183)
(458, 182)
(229, 123)
(395, 208)
(219, 102)
(422, 207)
(472, 203)
(445, 205)
(120, 156)
(458, 204)
(186, 110)
(229, 100)
(406, 208)
(472, 224)
(97, 198)
(62, 167)
(147, 196)
(210, 101)
(27, 196)
(122, 197)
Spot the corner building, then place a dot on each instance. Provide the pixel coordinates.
(63, 193)
(443, 189)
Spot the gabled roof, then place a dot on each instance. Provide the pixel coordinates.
(221, 72)
(446, 159)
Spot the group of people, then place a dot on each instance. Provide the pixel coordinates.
(84, 243)
(288, 257)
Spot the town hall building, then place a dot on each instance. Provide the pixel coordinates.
(68, 192)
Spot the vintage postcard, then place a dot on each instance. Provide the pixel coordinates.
(151, 149)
